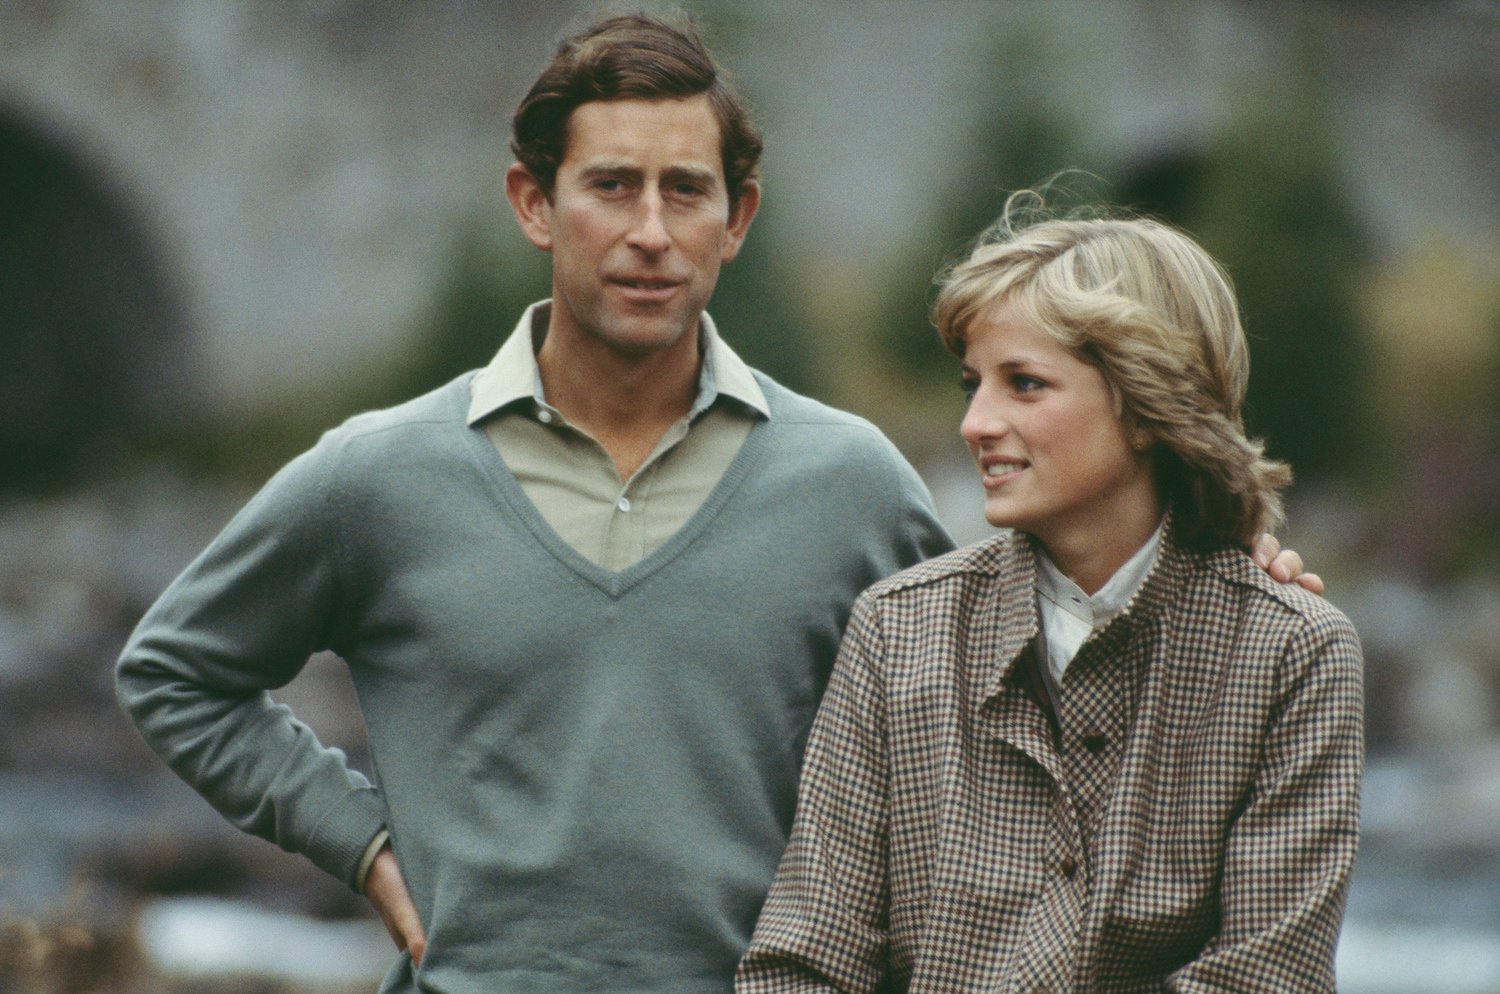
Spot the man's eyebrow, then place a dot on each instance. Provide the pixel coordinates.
(698, 174)
(702, 175)
(609, 167)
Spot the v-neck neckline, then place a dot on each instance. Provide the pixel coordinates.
(613, 583)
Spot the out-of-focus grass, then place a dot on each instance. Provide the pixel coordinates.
(68, 954)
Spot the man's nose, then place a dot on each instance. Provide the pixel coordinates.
(648, 231)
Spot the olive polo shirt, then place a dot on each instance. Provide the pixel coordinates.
(569, 475)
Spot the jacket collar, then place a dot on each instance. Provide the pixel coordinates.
(1007, 616)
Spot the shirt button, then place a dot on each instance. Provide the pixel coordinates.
(1069, 867)
(623, 503)
(1094, 741)
(544, 416)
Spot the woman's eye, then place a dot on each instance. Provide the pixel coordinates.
(1026, 384)
(969, 385)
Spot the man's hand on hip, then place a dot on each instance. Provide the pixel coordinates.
(386, 889)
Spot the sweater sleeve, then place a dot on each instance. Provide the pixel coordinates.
(824, 926)
(917, 533)
(243, 618)
(1288, 856)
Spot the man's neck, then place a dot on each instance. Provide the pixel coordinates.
(626, 402)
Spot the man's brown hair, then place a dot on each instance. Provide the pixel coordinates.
(634, 56)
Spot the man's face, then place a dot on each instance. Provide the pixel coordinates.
(638, 224)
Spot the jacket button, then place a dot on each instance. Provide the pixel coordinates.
(1069, 867)
(1094, 741)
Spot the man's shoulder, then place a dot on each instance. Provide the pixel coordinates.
(855, 475)
(795, 408)
(438, 409)
(801, 414)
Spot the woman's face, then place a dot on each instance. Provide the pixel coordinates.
(1055, 459)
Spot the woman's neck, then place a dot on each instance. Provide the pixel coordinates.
(1090, 557)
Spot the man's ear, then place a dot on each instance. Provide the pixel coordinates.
(532, 208)
(740, 216)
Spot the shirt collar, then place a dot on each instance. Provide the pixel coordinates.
(1112, 598)
(513, 374)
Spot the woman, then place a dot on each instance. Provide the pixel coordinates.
(1100, 751)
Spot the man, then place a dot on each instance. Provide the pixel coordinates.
(589, 596)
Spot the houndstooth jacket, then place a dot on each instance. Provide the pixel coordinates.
(1185, 822)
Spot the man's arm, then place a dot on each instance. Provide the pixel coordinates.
(823, 927)
(243, 618)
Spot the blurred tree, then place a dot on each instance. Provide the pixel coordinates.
(93, 354)
(1268, 200)
(754, 312)
(1433, 314)
(1279, 221)
(1015, 141)
(486, 283)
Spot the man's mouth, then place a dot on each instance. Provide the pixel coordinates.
(647, 284)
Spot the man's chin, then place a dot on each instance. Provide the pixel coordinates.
(646, 340)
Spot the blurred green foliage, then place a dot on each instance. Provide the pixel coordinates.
(485, 284)
(757, 316)
(1267, 202)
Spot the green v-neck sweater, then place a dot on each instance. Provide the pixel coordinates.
(588, 776)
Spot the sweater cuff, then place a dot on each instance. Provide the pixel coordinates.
(368, 859)
(339, 843)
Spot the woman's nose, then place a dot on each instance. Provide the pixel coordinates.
(983, 420)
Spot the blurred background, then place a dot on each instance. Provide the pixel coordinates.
(225, 225)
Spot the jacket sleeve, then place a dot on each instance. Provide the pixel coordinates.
(1289, 854)
(824, 925)
(243, 618)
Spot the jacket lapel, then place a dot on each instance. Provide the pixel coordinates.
(1001, 644)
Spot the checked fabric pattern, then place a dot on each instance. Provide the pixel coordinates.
(1187, 823)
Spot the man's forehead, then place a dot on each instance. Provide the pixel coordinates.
(684, 128)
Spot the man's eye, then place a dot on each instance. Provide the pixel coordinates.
(687, 190)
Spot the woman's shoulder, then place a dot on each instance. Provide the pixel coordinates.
(995, 557)
(1236, 574)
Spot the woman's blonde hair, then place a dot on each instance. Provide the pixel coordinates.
(1157, 316)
